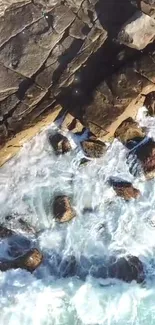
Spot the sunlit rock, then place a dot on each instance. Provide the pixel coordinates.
(72, 124)
(129, 130)
(29, 261)
(124, 189)
(62, 209)
(93, 148)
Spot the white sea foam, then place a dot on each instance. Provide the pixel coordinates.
(28, 184)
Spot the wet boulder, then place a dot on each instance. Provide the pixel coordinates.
(60, 143)
(93, 148)
(127, 269)
(5, 232)
(62, 209)
(124, 188)
(28, 261)
(149, 102)
(129, 130)
(146, 156)
(138, 32)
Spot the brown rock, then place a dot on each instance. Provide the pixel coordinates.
(127, 192)
(5, 232)
(128, 130)
(138, 32)
(146, 155)
(29, 261)
(124, 189)
(60, 143)
(72, 124)
(93, 148)
(149, 102)
(62, 209)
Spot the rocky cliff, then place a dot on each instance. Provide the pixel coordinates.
(94, 57)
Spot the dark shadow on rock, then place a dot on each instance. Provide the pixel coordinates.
(112, 14)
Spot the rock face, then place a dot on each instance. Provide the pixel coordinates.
(129, 130)
(60, 143)
(62, 209)
(29, 261)
(71, 52)
(124, 189)
(93, 148)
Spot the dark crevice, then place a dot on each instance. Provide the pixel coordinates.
(66, 58)
(23, 87)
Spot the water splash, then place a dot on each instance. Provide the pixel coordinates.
(105, 225)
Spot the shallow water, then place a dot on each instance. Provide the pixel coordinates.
(28, 184)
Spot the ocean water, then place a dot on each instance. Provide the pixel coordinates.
(108, 227)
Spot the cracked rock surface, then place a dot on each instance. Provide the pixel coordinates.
(78, 53)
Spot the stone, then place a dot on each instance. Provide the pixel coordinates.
(93, 148)
(146, 155)
(72, 124)
(138, 32)
(149, 103)
(5, 232)
(60, 143)
(29, 261)
(127, 269)
(62, 209)
(128, 130)
(124, 188)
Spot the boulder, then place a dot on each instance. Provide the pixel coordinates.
(5, 232)
(29, 261)
(146, 155)
(138, 32)
(60, 143)
(93, 148)
(149, 102)
(129, 130)
(127, 269)
(62, 209)
(124, 189)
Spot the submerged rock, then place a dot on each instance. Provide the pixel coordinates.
(62, 209)
(60, 143)
(124, 188)
(129, 130)
(29, 261)
(93, 148)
